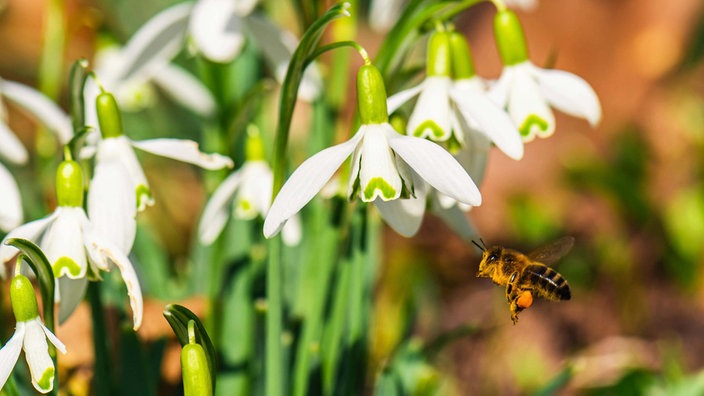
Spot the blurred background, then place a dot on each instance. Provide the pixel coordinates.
(631, 192)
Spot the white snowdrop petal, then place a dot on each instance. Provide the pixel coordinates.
(436, 166)
(36, 351)
(398, 99)
(112, 203)
(405, 216)
(378, 176)
(305, 182)
(291, 233)
(10, 202)
(10, 146)
(431, 115)
(63, 243)
(217, 210)
(10, 353)
(54, 339)
(216, 29)
(569, 93)
(490, 119)
(185, 89)
(70, 293)
(30, 231)
(40, 107)
(184, 150)
(528, 108)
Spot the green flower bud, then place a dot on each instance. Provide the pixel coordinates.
(462, 62)
(371, 96)
(439, 60)
(254, 146)
(109, 116)
(398, 123)
(510, 38)
(194, 367)
(24, 301)
(69, 184)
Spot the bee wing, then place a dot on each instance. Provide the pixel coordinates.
(553, 251)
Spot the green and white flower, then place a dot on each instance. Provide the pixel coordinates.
(220, 28)
(382, 161)
(74, 248)
(119, 188)
(452, 102)
(41, 108)
(31, 335)
(527, 91)
(245, 194)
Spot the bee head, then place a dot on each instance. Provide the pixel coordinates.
(490, 257)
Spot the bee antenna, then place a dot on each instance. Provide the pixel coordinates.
(483, 244)
(478, 245)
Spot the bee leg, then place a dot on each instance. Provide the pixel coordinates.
(522, 300)
(513, 293)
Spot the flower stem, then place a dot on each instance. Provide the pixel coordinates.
(349, 43)
(274, 317)
(102, 379)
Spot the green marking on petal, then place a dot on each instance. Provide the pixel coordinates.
(73, 269)
(436, 133)
(46, 382)
(378, 183)
(144, 196)
(531, 121)
(245, 205)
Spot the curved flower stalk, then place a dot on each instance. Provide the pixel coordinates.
(452, 102)
(527, 91)
(245, 194)
(45, 111)
(74, 248)
(219, 29)
(119, 188)
(131, 72)
(31, 335)
(382, 161)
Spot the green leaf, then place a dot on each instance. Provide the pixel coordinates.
(77, 81)
(41, 267)
(178, 317)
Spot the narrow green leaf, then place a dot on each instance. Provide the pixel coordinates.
(41, 267)
(178, 317)
(77, 81)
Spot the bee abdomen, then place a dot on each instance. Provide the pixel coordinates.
(548, 282)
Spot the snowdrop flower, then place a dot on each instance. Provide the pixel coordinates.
(249, 191)
(132, 71)
(383, 14)
(31, 335)
(219, 29)
(527, 91)
(383, 162)
(73, 247)
(44, 110)
(452, 102)
(119, 188)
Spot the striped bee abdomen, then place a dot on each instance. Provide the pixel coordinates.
(546, 282)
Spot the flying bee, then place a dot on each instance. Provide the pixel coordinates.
(526, 276)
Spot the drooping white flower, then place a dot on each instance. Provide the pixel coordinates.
(45, 111)
(452, 101)
(383, 14)
(119, 188)
(74, 248)
(131, 72)
(220, 28)
(248, 191)
(527, 92)
(31, 335)
(382, 161)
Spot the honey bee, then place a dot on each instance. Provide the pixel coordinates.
(526, 276)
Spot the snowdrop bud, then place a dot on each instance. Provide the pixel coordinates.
(24, 301)
(439, 62)
(69, 184)
(462, 62)
(371, 96)
(254, 146)
(194, 368)
(510, 38)
(109, 116)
